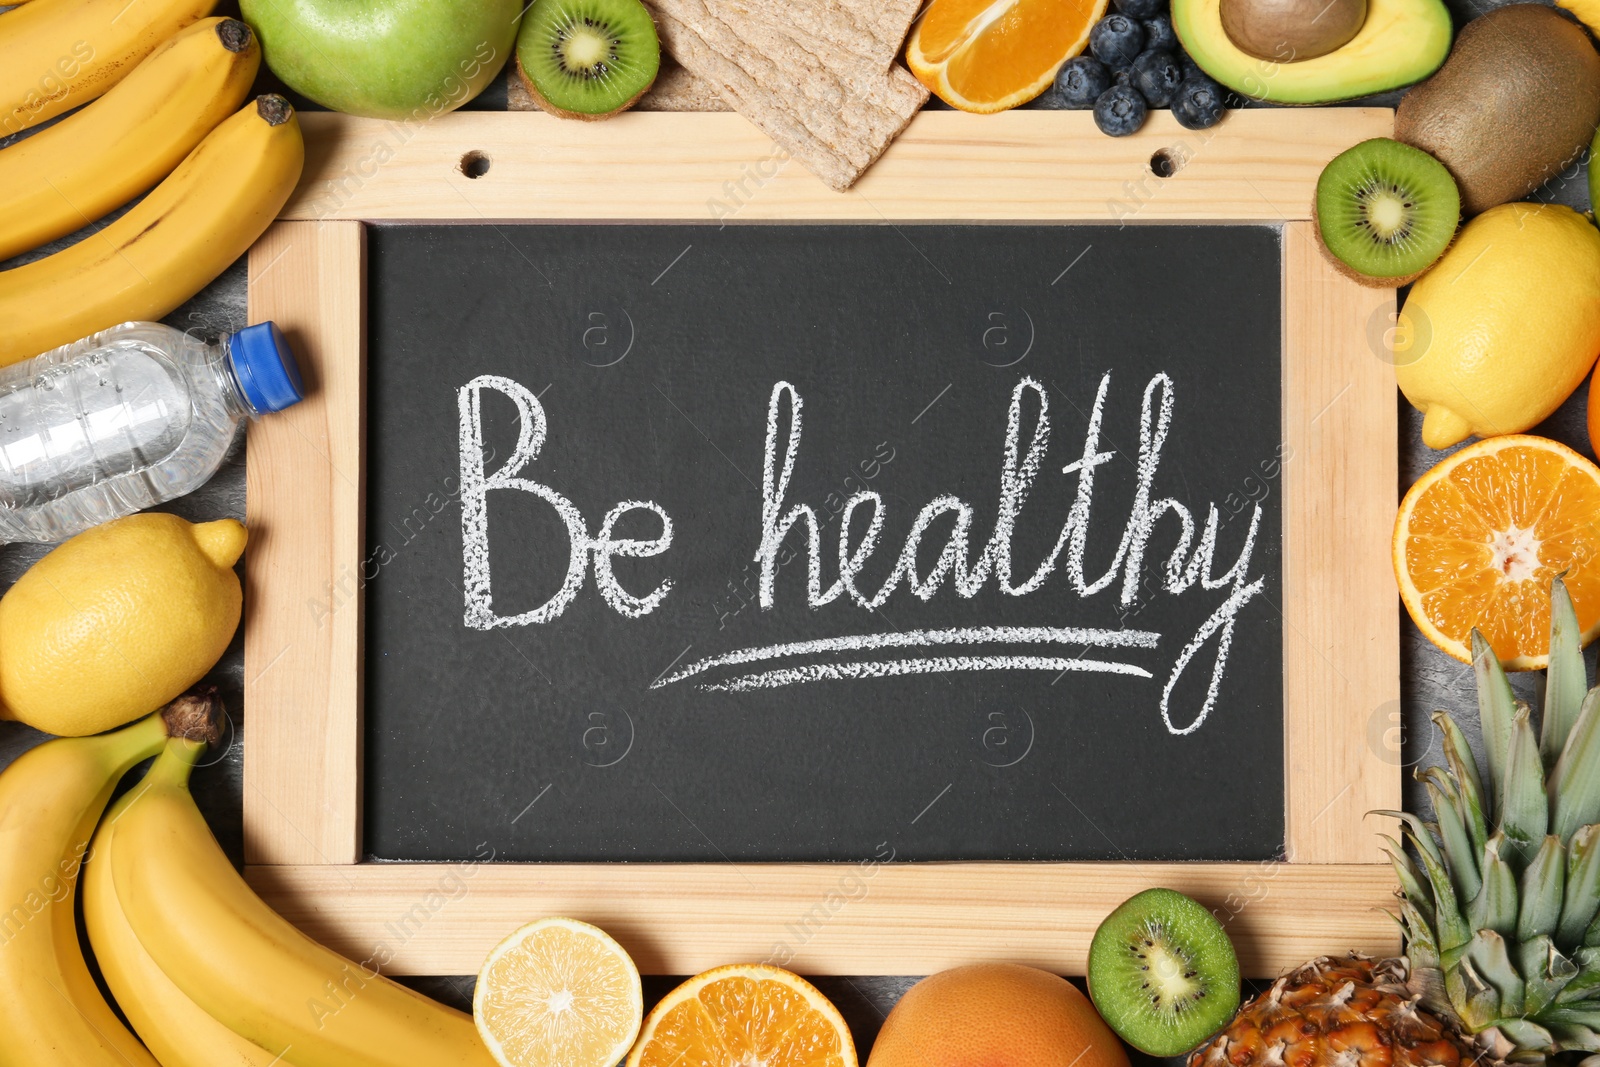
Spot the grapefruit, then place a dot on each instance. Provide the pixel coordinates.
(997, 1015)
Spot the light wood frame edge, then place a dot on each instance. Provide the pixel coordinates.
(1339, 473)
(302, 801)
(1258, 165)
(304, 487)
(830, 918)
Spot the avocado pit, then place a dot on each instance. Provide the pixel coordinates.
(1288, 31)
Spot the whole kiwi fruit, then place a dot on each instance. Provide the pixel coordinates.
(1517, 100)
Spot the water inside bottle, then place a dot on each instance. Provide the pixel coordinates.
(114, 412)
(98, 430)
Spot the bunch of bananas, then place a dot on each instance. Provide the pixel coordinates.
(204, 971)
(163, 85)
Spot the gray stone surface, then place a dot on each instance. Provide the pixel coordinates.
(1430, 679)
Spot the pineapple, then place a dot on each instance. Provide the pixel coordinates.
(1498, 901)
(1351, 1012)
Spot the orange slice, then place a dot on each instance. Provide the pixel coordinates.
(1480, 536)
(744, 1015)
(989, 55)
(558, 993)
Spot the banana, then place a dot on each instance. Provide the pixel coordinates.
(168, 246)
(57, 54)
(249, 968)
(171, 1025)
(72, 173)
(50, 799)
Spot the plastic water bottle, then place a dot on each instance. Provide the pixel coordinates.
(128, 418)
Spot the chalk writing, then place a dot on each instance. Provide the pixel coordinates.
(476, 486)
(793, 529)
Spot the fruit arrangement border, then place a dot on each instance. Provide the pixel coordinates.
(303, 631)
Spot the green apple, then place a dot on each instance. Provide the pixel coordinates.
(390, 59)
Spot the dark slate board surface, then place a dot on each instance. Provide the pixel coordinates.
(654, 352)
(1429, 678)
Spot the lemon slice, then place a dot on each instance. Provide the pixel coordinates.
(558, 993)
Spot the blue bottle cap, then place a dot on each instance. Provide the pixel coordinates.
(265, 367)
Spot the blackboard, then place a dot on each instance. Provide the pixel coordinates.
(1002, 711)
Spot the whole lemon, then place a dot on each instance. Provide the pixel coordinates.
(1505, 325)
(118, 621)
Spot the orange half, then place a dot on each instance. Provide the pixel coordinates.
(1481, 535)
(990, 55)
(742, 1015)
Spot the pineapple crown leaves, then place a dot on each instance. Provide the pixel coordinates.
(1500, 894)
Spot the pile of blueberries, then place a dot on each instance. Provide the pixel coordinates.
(1135, 63)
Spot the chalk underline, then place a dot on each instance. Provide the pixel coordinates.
(891, 668)
(961, 635)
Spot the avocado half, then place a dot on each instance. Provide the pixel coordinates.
(1401, 42)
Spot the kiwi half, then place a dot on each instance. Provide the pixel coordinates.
(1162, 973)
(587, 59)
(1385, 211)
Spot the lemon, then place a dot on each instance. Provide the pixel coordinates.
(1588, 12)
(118, 621)
(558, 993)
(1505, 325)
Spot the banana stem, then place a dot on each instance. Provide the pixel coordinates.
(143, 736)
(195, 716)
(192, 722)
(172, 767)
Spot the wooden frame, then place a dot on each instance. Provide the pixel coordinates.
(303, 630)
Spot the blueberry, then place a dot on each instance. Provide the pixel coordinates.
(1157, 75)
(1141, 9)
(1080, 82)
(1191, 69)
(1197, 103)
(1116, 40)
(1119, 111)
(1123, 77)
(1158, 34)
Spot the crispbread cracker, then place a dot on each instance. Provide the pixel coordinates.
(817, 76)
